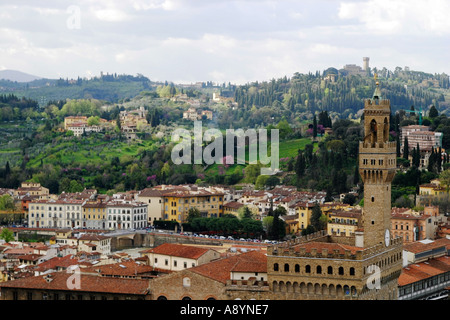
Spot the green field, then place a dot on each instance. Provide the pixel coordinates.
(290, 148)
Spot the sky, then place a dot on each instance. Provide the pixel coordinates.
(235, 41)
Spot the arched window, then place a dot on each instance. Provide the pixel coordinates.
(352, 271)
(318, 269)
(161, 298)
(275, 267)
(330, 270)
(308, 269)
(297, 268)
(286, 267)
(341, 271)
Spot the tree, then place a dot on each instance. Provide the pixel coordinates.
(245, 213)
(93, 121)
(6, 202)
(314, 127)
(416, 156)
(444, 178)
(433, 113)
(192, 214)
(7, 235)
(316, 220)
(406, 149)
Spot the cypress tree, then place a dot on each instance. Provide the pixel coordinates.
(406, 149)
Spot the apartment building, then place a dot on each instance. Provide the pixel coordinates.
(94, 215)
(154, 199)
(344, 223)
(55, 213)
(126, 215)
(178, 202)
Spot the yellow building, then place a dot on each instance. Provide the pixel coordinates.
(94, 215)
(74, 120)
(304, 210)
(433, 188)
(344, 222)
(178, 202)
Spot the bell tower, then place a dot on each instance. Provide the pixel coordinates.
(377, 166)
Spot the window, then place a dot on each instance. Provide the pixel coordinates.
(352, 271)
(308, 269)
(275, 267)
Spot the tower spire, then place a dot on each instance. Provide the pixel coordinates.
(377, 92)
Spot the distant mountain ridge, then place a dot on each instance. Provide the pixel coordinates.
(19, 76)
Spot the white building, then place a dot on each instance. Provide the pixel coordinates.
(127, 215)
(55, 213)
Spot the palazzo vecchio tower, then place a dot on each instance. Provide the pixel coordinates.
(363, 265)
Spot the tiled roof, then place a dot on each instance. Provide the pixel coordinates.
(233, 204)
(124, 268)
(418, 246)
(178, 250)
(148, 192)
(416, 272)
(57, 262)
(88, 283)
(219, 270)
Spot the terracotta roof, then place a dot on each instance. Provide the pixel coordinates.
(418, 246)
(88, 283)
(219, 270)
(123, 268)
(148, 192)
(233, 204)
(420, 271)
(30, 257)
(178, 250)
(57, 262)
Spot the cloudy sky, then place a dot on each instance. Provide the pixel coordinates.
(220, 40)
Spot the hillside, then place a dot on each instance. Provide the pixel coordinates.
(17, 76)
(111, 88)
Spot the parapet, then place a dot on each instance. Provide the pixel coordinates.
(250, 284)
(377, 102)
(288, 249)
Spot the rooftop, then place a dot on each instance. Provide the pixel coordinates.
(421, 271)
(178, 250)
(88, 283)
(220, 270)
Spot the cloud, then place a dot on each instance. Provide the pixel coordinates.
(395, 17)
(221, 40)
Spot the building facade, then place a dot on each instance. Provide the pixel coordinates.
(126, 215)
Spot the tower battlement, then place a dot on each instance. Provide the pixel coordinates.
(329, 250)
(377, 102)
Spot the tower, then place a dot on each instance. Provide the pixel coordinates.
(366, 63)
(365, 265)
(377, 166)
